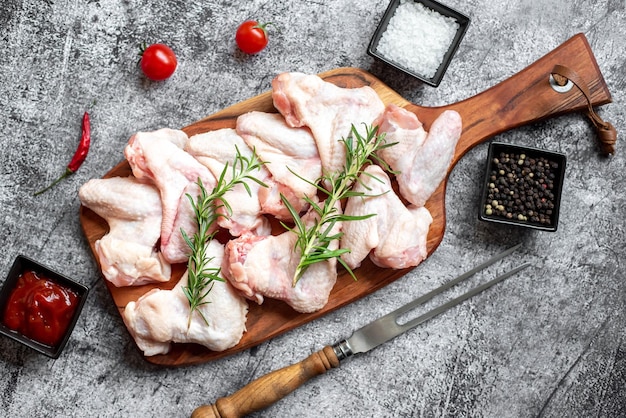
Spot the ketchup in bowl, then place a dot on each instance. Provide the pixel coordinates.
(39, 308)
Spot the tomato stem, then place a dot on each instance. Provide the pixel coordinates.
(263, 26)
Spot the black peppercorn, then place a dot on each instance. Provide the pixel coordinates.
(520, 188)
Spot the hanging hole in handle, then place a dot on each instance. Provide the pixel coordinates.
(560, 88)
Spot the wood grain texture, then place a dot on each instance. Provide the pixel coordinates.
(270, 388)
(524, 98)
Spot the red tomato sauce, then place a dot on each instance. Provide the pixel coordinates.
(39, 308)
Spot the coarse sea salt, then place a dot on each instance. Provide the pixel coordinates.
(417, 38)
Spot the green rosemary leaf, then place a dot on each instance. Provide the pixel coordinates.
(357, 217)
(313, 240)
(347, 267)
(207, 208)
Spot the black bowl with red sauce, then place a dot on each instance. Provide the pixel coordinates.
(39, 307)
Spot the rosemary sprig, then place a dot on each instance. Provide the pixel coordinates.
(314, 240)
(207, 209)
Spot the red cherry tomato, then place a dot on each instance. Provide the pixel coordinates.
(158, 62)
(251, 36)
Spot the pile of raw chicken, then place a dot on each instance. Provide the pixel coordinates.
(146, 211)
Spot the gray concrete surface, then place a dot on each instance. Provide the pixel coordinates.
(551, 342)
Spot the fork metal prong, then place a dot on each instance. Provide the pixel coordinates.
(453, 302)
(428, 296)
(387, 327)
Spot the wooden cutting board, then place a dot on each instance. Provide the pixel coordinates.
(524, 98)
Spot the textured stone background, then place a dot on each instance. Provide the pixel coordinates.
(550, 342)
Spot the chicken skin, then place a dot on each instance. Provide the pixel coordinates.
(160, 317)
(395, 237)
(327, 110)
(421, 158)
(159, 157)
(132, 210)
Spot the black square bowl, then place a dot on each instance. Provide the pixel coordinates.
(21, 265)
(462, 21)
(522, 186)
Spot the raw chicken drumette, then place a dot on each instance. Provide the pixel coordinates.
(160, 317)
(287, 151)
(421, 158)
(327, 110)
(262, 267)
(395, 237)
(132, 210)
(214, 150)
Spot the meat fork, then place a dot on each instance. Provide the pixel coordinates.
(268, 389)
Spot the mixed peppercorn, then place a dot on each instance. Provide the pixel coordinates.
(521, 188)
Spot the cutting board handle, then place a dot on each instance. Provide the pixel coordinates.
(526, 97)
(565, 78)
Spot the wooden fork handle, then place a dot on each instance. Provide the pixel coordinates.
(268, 389)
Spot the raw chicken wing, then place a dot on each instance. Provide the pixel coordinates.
(159, 157)
(328, 110)
(214, 149)
(422, 159)
(132, 210)
(286, 150)
(262, 267)
(160, 317)
(395, 237)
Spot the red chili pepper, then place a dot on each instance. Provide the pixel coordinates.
(79, 155)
